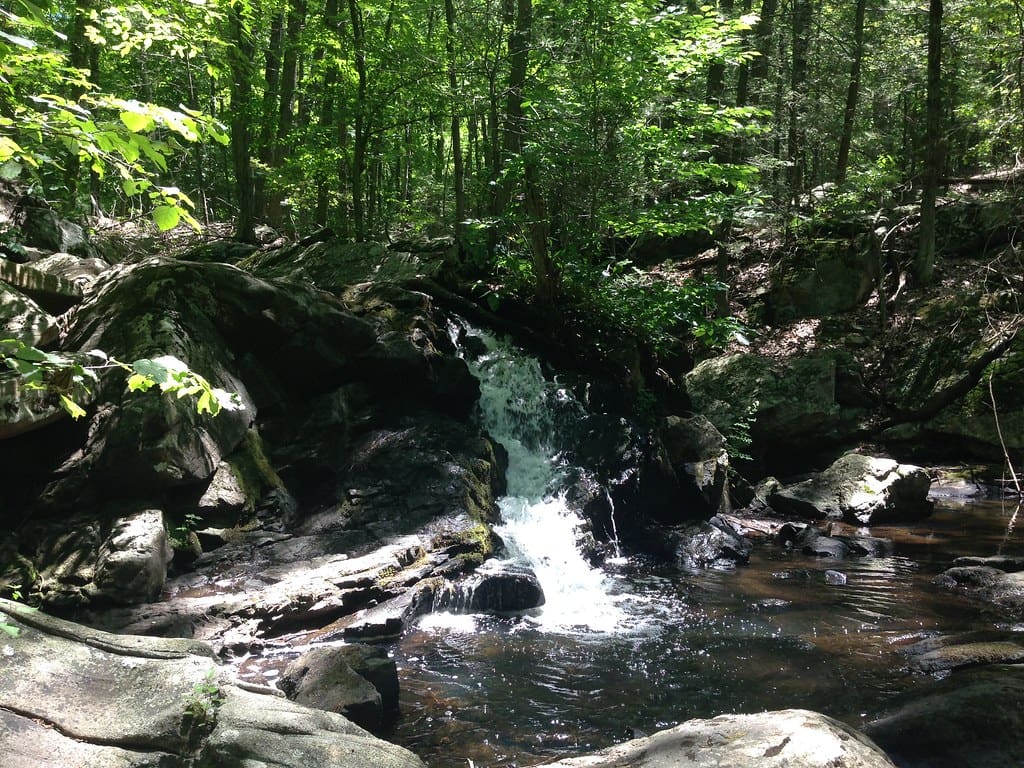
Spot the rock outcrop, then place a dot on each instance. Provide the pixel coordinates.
(73, 697)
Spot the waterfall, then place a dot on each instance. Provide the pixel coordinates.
(524, 411)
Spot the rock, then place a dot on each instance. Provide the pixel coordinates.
(835, 578)
(80, 271)
(373, 663)
(42, 227)
(132, 563)
(778, 403)
(24, 320)
(861, 489)
(225, 496)
(957, 656)
(791, 738)
(258, 730)
(1005, 563)
(709, 544)
(837, 276)
(1004, 590)
(816, 542)
(697, 453)
(74, 697)
(323, 678)
(334, 264)
(24, 410)
(53, 293)
(492, 589)
(971, 718)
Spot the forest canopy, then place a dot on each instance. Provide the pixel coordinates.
(551, 136)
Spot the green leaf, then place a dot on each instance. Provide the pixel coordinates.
(10, 629)
(74, 409)
(166, 217)
(135, 122)
(139, 383)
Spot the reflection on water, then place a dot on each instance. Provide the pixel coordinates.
(768, 636)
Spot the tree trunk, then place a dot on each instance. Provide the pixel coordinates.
(458, 172)
(286, 104)
(240, 56)
(924, 263)
(360, 140)
(852, 93)
(797, 81)
(271, 93)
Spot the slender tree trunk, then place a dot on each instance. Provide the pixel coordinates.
(716, 72)
(795, 141)
(852, 93)
(271, 93)
(286, 103)
(240, 56)
(458, 172)
(358, 176)
(924, 263)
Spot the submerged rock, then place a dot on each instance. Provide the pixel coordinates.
(975, 718)
(791, 738)
(861, 489)
(1004, 590)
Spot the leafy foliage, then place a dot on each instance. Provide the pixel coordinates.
(69, 377)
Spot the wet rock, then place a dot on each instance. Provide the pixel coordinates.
(494, 589)
(710, 544)
(835, 578)
(75, 697)
(972, 654)
(1005, 563)
(790, 738)
(972, 718)
(324, 679)
(819, 542)
(861, 489)
(24, 320)
(1004, 590)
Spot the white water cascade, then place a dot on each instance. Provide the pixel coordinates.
(518, 408)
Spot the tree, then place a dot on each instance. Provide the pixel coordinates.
(924, 263)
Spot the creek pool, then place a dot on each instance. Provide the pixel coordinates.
(770, 635)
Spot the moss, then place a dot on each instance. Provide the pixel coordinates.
(252, 467)
(477, 541)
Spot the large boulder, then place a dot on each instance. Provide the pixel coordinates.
(73, 697)
(861, 489)
(793, 403)
(52, 292)
(791, 738)
(836, 276)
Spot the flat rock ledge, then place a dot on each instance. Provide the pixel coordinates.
(74, 697)
(791, 738)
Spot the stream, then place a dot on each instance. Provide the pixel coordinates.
(640, 645)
